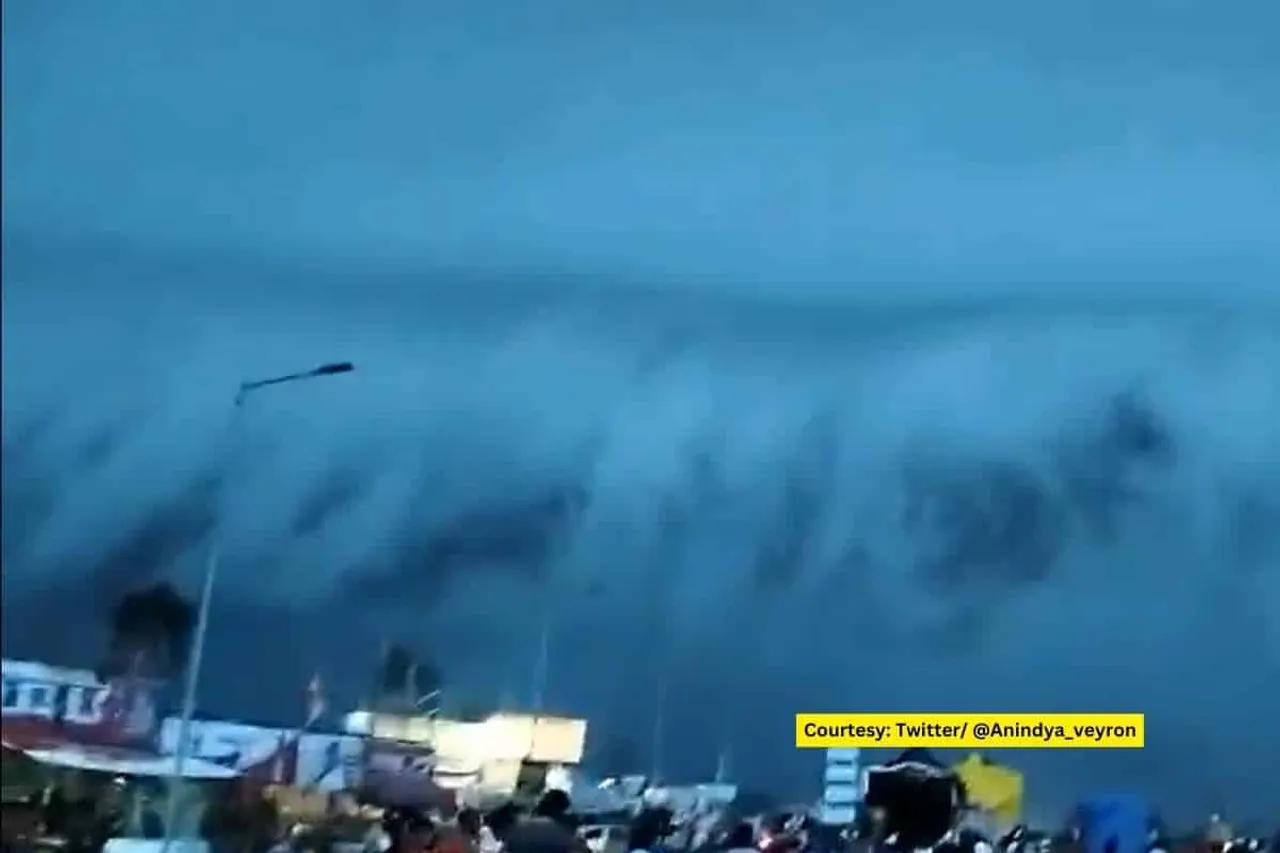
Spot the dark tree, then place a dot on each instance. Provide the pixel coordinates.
(396, 670)
(150, 633)
(403, 676)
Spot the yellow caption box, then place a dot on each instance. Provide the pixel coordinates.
(971, 731)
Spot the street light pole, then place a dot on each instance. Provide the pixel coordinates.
(658, 735)
(550, 606)
(542, 663)
(196, 659)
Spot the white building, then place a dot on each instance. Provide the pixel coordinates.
(842, 786)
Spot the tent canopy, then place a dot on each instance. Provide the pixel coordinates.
(918, 755)
(408, 790)
(120, 762)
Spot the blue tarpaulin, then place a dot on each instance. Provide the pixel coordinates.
(1115, 823)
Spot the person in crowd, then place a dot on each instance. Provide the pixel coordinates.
(681, 835)
(781, 833)
(292, 842)
(228, 823)
(657, 821)
(555, 805)
(378, 839)
(469, 822)
(550, 829)
(21, 824)
(463, 836)
(1012, 841)
(150, 820)
(976, 842)
(643, 836)
(497, 825)
(417, 834)
(96, 822)
(783, 842)
(502, 819)
(967, 840)
(55, 811)
(487, 841)
(262, 820)
(740, 839)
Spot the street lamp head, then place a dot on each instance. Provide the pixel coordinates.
(335, 367)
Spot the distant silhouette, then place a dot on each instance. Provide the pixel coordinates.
(404, 678)
(150, 634)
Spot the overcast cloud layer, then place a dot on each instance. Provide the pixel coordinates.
(843, 358)
(747, 144)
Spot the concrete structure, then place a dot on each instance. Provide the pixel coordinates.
(500, 754)
(842, 787)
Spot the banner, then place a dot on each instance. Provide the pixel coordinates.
(330, 762)
(264, 754)
(46, 706)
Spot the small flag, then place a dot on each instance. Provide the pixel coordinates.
(315, 701)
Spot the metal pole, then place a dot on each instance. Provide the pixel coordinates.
(674, 524)
(542, 664)
(550, 614)
(196, 661)
(659, 722)
(189, 694)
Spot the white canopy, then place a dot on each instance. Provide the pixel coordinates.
(127, 763)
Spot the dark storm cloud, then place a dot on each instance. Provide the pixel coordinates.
(803, 500)
(819, 513)
(933, 489)
(503, 535)
(334, 494)
(152, 548)
(28, 492)
(754, 337)
(997, 523)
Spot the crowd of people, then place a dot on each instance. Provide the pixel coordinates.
(81, 821)
(549, 827)
(910, 810)
(909, 820)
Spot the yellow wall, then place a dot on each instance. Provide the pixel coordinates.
(501, 737)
